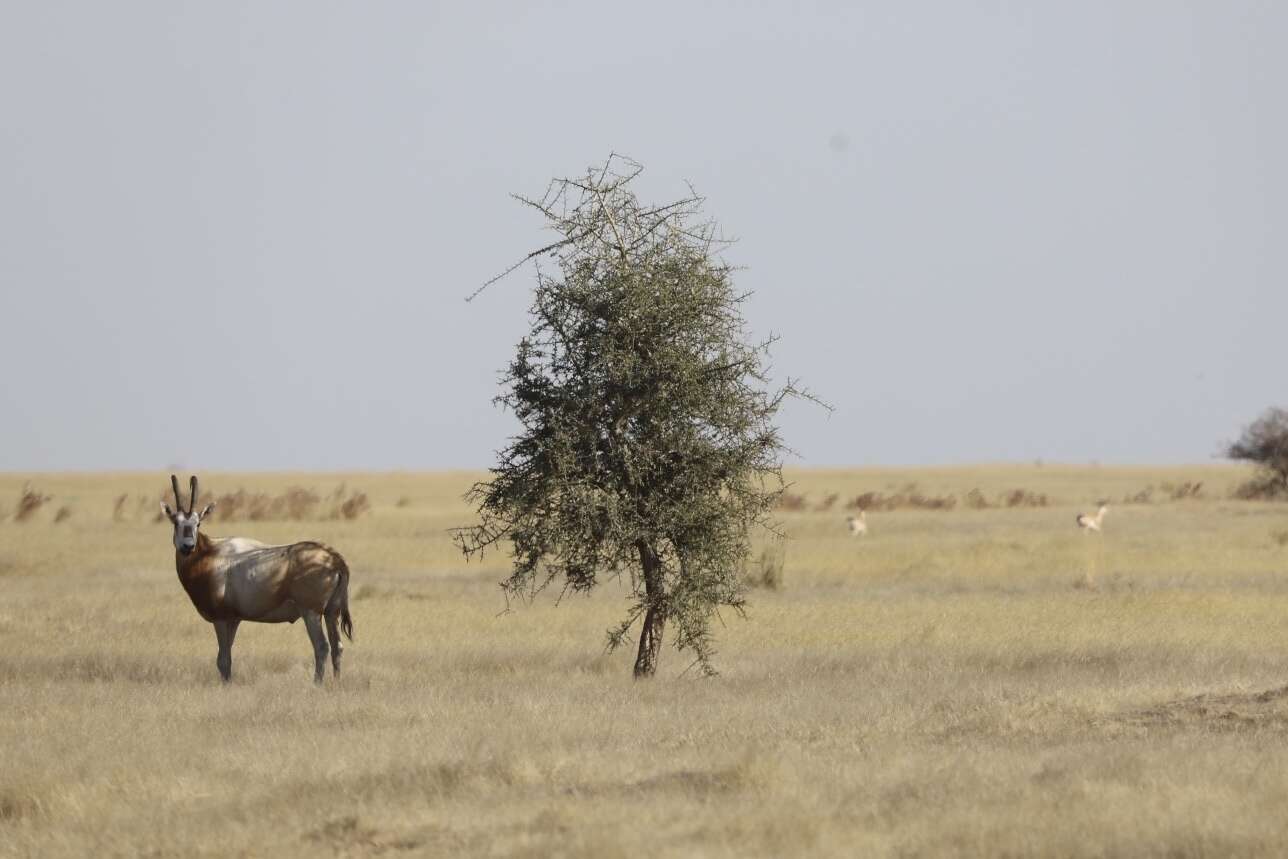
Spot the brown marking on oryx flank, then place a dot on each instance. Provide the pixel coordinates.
(234, 579)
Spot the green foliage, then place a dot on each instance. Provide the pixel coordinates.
(648, 448)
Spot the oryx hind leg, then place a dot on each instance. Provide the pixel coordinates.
(313, 623)
(332, 618)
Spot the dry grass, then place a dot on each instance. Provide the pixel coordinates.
(936, 688)
(765, 568)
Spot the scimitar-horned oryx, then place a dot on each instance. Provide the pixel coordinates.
(234, 579)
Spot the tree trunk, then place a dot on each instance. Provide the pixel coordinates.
(654, 618)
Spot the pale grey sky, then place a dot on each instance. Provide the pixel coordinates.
(238, 235)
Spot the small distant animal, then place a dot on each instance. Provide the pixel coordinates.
(1092, 523)
(234, 579)
(858, 524)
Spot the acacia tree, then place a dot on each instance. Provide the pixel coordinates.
(1265, 443)
(648, 449)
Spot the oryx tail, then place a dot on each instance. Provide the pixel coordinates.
(340, 599)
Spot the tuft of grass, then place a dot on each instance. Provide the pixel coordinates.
(30, 500)
(20, 803)
(63, 514)
(766, 569)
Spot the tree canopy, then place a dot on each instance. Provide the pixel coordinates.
(647, 447)
(1265, 443)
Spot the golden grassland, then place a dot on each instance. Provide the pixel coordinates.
(948, 685)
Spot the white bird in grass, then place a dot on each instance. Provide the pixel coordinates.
(858, 524)
(1092, 523)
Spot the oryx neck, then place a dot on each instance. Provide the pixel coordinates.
(205, 547)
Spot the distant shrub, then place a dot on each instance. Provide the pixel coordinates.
(1263, 487)
(1184, 491)
(403, 501)
(348, 505)
(64, 513)
(791, 501)
(828, 503)
(29, 503)
(1025, 498)
(1144, 496)
(144, 507)
(909, 496)
(295, 504)
(863, 502)
(1265, 443)
(1280, 538)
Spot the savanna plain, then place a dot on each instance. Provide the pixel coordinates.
(980, 680)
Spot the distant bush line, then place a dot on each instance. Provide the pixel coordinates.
(910, 497)
(295, 504)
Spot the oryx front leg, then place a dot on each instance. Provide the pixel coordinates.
(313, 623)
(225, 632)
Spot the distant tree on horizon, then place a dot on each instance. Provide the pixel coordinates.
(1264, 442)
(647, 448)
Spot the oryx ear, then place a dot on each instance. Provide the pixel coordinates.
(206, 511)
(165, 508)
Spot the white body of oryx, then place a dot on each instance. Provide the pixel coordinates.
(1092, 523)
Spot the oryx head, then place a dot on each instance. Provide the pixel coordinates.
(185, 521)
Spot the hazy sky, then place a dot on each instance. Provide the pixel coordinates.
(238, 235)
